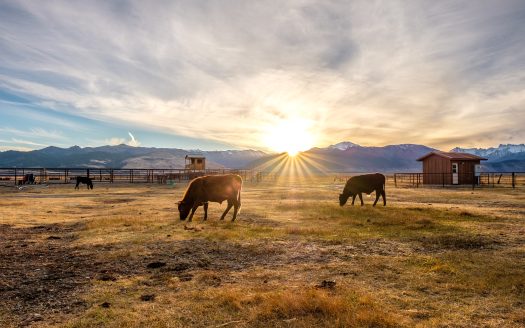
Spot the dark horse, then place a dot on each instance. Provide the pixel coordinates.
(84, 180)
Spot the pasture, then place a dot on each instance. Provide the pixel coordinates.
(118, 256)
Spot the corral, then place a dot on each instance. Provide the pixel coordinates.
(118, 256)
(10, 176)
(484, 179)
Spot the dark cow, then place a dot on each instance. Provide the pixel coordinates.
(364, 183)
(213, 188)
(28, 179)
(84, 180)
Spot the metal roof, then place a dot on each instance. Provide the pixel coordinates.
(454, 156)
(195, 156)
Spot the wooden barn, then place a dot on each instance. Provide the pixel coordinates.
(450, 168)
(195, 162)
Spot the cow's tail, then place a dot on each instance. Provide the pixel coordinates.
(239, 198)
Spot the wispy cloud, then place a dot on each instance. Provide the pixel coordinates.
(33, 133)
(114, 141)
(133, 142)
(441, 73)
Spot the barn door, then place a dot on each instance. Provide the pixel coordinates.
(455, 178)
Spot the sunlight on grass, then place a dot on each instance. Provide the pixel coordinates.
(427, 254)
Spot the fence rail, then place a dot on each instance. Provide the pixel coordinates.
(485, 179)
(18, 176)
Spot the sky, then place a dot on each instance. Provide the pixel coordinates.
(240, 74)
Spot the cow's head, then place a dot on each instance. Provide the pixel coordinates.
(184, 210)
(343, 198)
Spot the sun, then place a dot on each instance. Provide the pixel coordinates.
(290, 136)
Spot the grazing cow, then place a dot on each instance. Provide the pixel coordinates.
(364, 183)
(213, 188)
(84, 180)
(28, 179)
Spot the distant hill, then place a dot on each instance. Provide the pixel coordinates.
(350, 157)
(341, 157)
(123, 156)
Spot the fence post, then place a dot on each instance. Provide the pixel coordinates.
(443, 179)
(513, 180)
(395, 180)
(15, 176)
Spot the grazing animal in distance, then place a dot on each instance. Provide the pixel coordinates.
(85, 180)
(28, 179)
(364, 183)
(212, 188)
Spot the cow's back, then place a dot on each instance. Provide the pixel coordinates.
(366, 183)
(214, 188)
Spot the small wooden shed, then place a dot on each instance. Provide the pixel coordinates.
(450, 168)
(195, 162)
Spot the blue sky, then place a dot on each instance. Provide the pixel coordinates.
(228, 74)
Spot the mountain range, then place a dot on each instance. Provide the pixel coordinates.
(341, 157)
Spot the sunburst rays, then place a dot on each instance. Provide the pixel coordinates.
(302, 164)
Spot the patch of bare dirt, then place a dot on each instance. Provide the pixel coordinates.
(118, 200)
(39, 273)
(459, 242)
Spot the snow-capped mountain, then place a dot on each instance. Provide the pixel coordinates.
(345, 145)
(496, 154)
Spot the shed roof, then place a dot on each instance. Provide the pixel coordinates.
(195, 156)
(454, 156)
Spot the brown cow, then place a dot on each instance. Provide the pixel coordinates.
(366, 183)
(213, 188)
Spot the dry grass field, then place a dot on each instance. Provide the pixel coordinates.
(118, 256)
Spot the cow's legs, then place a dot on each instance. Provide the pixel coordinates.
(230, 204)
(361, 199)
(377, 198)
(205, 211)
(192, 212)
(383, 193)
(236, 206)
(76, 186)
(353, 199)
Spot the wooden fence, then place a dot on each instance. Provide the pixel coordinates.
(18, 176)
(485, 179)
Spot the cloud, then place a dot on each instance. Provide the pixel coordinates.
(371, 72)
(33, 133)
(133, 142)
(17, 148)
(115, 141)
